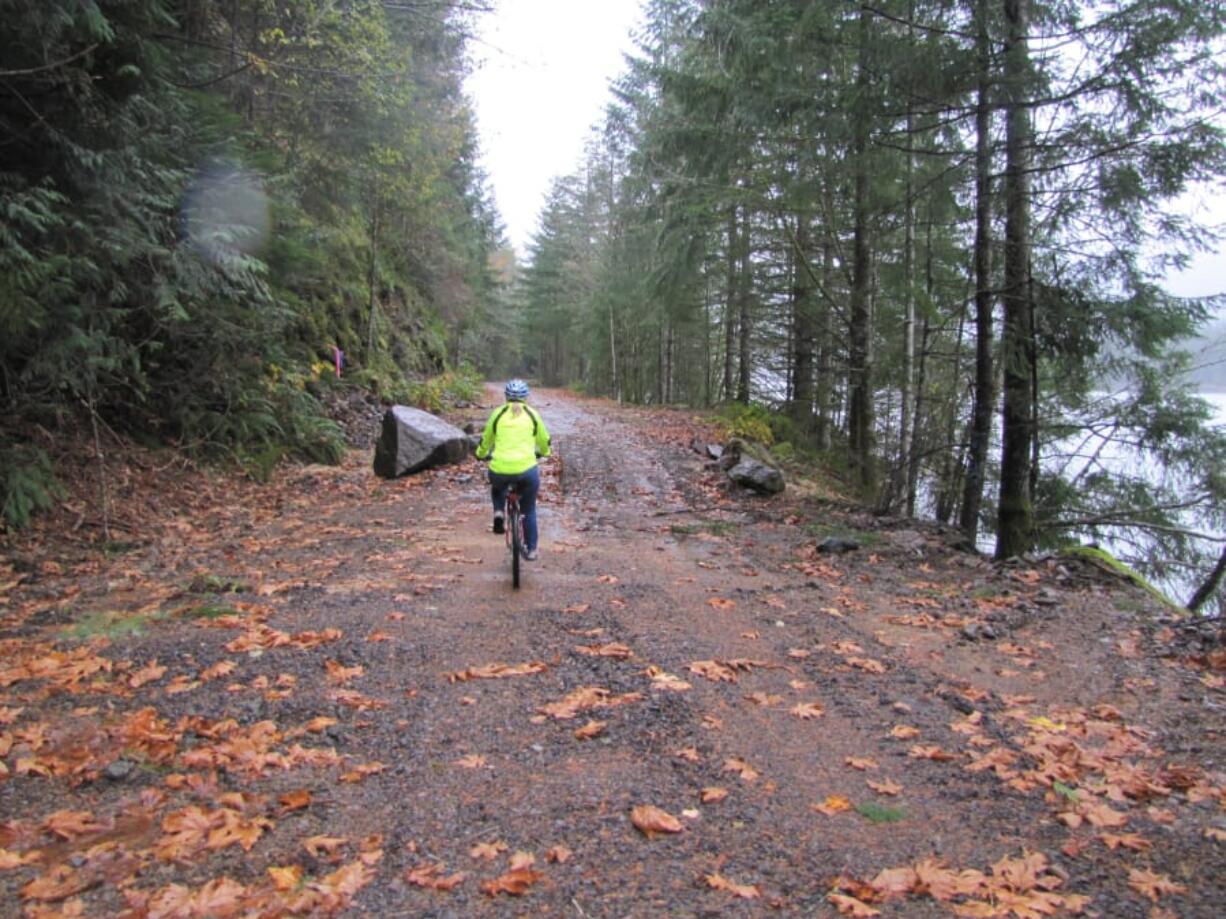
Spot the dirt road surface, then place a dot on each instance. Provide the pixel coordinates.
(328, 699)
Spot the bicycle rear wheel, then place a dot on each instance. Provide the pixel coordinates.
(517, 544)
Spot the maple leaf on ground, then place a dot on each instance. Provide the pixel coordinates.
(344, 882)
(577, 608)
(431, 876)
(236, 830)
(1153, 885)
(689, 754)
(806, 711)
(714, 671)
(592, 729)
(932, 753)
(285, 878)
(68, 824)
(60, 883)
(745, 891)
(295, 800)
(487, 850)
(339, 674)
(219, 897)
(850, 906)
(662, 680)
(1134, 841)
(522, 859)
(713, 793)
(762, 698)
(903, 732)
(861, 762)
(496, 671)
(559, 854)
(867, 664)
(329, 844)
(220, 669)
(471, 761)
(361, 771)
(149, 673)
(10, 860)
(834, 804)
(721, 603)
(1095, 813)
(747, 772)
(651, 821)
(515, 883)
(614, 649)
(884, 788)
(894, 882)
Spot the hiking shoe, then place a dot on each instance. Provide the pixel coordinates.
(499, 526)
(531, 555)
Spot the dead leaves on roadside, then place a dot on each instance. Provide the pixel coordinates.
(651, 821)
(717, 881)
(584, 698)
(496, 671)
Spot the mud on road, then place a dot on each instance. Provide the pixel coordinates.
(814, 727)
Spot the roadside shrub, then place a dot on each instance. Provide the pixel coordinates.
(446, 391)
(27, 484)
(748, 422)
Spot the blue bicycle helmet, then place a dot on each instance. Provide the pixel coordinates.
(517, 391)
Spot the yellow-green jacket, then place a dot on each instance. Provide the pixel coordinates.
(514, 437)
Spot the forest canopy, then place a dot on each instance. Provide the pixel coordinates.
(201, 201)
(927, 239)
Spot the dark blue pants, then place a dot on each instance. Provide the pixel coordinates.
(527, 484)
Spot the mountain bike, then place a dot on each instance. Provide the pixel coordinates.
(515, 533)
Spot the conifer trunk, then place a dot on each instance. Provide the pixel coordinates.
(1016, 512)
(860, 376)
(981, 413)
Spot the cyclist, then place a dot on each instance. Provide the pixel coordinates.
(514, 437)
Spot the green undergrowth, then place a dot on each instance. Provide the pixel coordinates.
(879, 813)
(714, 527)
(113, 625)
(1111, 563)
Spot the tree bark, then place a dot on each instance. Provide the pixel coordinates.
(729, 304)
(803, 333)
(744, 295)
(1016, 513)
(985, 396)
(1212, 583)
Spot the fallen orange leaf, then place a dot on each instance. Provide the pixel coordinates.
(745, 891)
(651, 821)
(884, 788)
(833, 804)
(850, 906)
(487, 850)
(514, 883)
(329, 844)
(713, 794)
(295, 800)
(1153, 885)
(431, 876)
(591, 729)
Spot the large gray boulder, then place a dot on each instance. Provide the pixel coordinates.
(413, 440)
(757, 475)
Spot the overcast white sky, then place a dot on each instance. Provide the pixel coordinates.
(542, 81)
